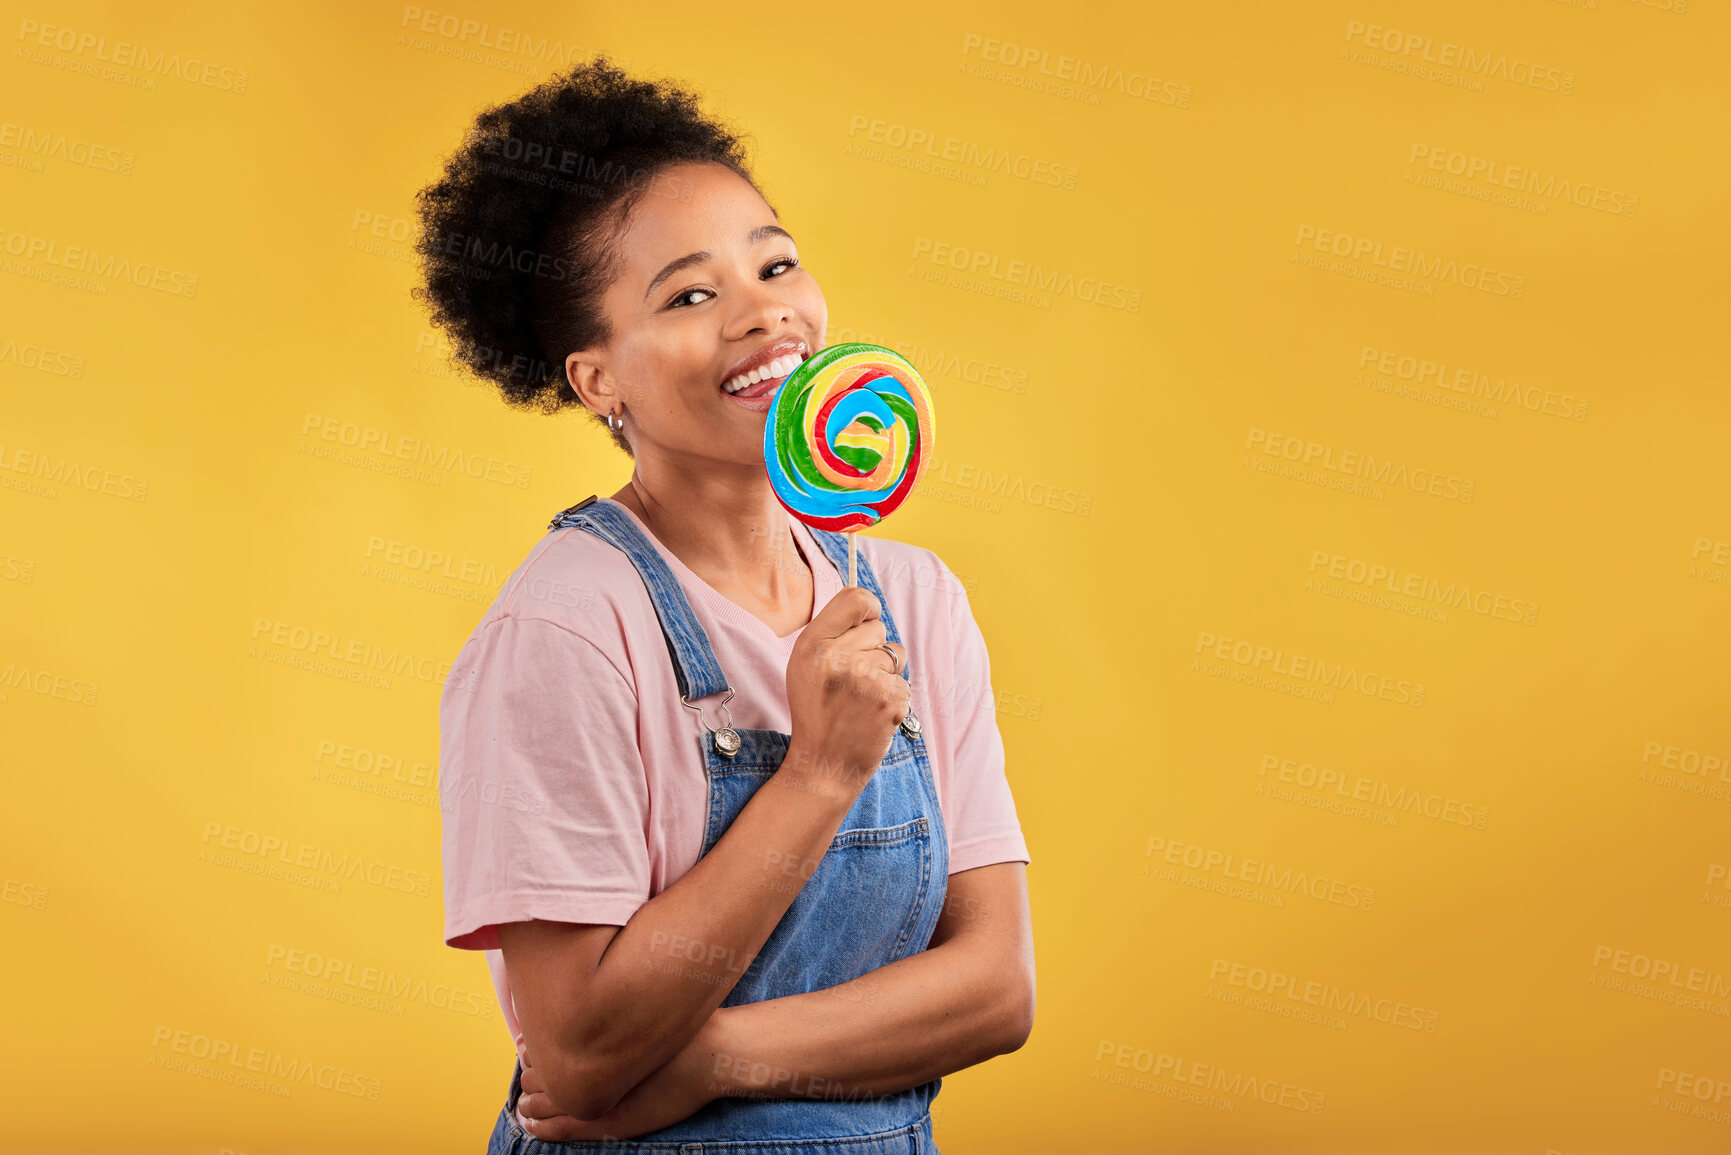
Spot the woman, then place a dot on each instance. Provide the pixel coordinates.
(736, 837)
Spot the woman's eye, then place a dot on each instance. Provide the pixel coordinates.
(681, 297)
(783, 264)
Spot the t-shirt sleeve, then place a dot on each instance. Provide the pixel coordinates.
(542, 791)
(980, 813)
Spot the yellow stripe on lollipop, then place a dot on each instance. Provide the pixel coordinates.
(892, 445)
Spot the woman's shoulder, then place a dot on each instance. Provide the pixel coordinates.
(926, 596)
(572, 579)
(913, 569)
(566, 614)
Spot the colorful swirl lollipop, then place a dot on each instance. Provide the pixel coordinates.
(847, 435)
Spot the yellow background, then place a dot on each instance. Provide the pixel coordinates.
(121, 924)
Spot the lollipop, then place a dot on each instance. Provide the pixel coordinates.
(846, 437)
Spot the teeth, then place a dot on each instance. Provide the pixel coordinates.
(780, 367)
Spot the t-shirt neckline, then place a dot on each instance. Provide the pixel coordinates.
(826, 579)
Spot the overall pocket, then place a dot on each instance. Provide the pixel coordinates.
(857, 907)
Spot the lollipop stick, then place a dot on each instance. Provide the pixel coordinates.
(852, 572)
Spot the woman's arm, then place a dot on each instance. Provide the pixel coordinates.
(602, 1007)
(967, 997)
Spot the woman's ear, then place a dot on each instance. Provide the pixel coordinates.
(585, 377)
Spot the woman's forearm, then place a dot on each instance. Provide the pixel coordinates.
(667, 970)
(893, 1028)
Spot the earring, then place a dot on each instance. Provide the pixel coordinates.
(620, 428)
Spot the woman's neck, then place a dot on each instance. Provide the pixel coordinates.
(734, 535)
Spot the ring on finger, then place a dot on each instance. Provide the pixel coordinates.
(895, 662)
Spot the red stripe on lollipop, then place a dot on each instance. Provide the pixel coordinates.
(907, 481)
(834, 373)
(841, 466)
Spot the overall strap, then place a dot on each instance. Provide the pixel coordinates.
(835, 545)
(694, 663)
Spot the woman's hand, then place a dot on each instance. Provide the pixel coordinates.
(671, 1095)
(845, 700)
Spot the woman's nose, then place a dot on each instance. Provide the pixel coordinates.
(759, 306)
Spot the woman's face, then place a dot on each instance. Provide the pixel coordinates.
(707, 289)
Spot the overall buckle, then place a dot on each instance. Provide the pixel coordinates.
(725, 740)
(570, 509)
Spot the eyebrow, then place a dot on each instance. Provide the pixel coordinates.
(689, 259)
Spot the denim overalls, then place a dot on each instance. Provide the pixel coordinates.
(875, 896)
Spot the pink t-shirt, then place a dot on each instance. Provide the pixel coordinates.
(571, 784)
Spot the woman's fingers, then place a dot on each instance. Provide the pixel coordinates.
(901, 656)
(536, 1105)
(537, 1116)
(864, 638)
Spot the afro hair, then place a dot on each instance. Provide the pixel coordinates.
(516, 242)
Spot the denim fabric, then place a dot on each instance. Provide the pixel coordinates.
(874, 897)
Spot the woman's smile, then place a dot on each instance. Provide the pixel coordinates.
(709, 300)
(752, 382)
